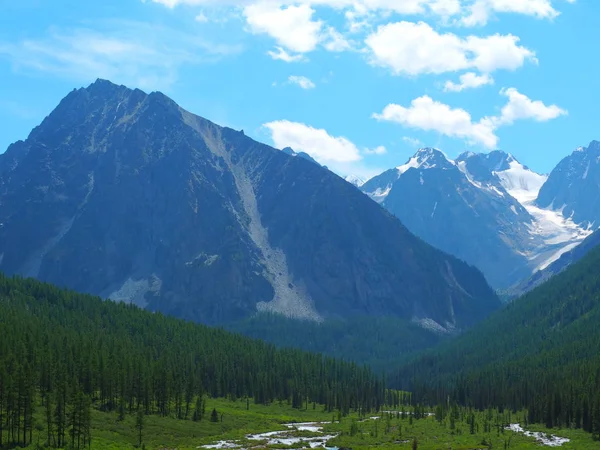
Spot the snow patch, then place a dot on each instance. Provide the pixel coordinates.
(380, 194)
(355, 180)
(521, 183)
(542, 438)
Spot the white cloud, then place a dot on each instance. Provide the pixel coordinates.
(303, 82)
(480, 11)
(337, 153)
(282, 55)
(316, 142)
(334, 41)
(426, 114)
(201, 18)
(409, 48)
(521, 107)
(379, 150)
(413, 142)
(469, 80)
(133, 53)
(292, 27)
(470, 12)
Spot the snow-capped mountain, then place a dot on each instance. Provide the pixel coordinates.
(355, 180)
(479, 207)
(574, 187)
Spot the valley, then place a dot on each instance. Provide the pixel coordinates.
(240, 296)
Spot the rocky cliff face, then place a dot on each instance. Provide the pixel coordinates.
(126, 195)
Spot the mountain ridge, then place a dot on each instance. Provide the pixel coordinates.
(126, 195)
(480, 208)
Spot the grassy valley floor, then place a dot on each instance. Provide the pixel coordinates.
(385, 431)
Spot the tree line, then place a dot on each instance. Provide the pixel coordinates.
(69, 353)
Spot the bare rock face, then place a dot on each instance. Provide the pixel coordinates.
(125, 195)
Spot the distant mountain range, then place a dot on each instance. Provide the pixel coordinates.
(128, 196)
(485, 208)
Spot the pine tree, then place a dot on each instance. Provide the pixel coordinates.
(214, 416)
(139, 425)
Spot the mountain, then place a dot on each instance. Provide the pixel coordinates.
(539, 353)
(355, 180)
(558, 266)
(479, 208)
(127, 196)
(291, 152)
(574, 187)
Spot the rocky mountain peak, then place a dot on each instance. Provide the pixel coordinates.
(126, 195)
(427, 158)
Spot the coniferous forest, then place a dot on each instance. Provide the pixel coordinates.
(541, 353)
(68, 353)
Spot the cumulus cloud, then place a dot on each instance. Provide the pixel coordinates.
(426, 114)
(521, 107)
(408, 48)
(292, 27)
(315, 141)
(336, 152)
(303, 82)
(469, 80)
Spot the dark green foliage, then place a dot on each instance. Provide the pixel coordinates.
(380, 342)
(540, 353)
(71, 351)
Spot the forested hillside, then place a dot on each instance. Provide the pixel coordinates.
(70, 353)
(541, 353)
(380, 342)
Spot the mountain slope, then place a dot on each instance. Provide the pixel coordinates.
(566, 259)
(479, 208)
(540, 352)
(128, 196)
(574, 186)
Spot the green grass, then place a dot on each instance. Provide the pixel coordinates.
(432, 435)
(109, 433)
(165, 432)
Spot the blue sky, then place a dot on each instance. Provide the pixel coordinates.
(359, 84)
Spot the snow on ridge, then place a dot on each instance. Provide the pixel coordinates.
(422, 160)
(355, 180)
(521, 183)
